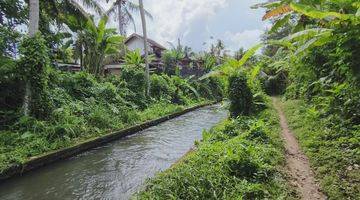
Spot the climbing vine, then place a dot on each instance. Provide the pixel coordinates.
(33, 66)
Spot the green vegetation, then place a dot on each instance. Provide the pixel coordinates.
(241, 158)
(310, 56)
(332, 148)
(44, 109)
(237, 159)
(316, 67)
(322, 89)
(81, 106)
(240, 95)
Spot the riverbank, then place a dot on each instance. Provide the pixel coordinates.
(152, 116)
(117, 169)
(80, 106)
(333, 149)
(239, 158)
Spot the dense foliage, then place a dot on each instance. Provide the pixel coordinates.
(84, 106)
(240, 95)
(319, 61)
(33, 67)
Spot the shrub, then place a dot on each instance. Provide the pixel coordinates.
(210, 88)
(275, 85)
(185, 87)
(161, 87)
(240, 95)
(135, 82)
(79, 85)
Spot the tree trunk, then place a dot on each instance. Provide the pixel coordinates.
(120, 18)
(147, 71)
(33, 28)
(1, 19)
(81, 58)
(34, 17)
(121, 26)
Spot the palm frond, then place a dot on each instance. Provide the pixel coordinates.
(94, 4)
(112, 9)
(79, 7)
(133, 7)
(131, 18)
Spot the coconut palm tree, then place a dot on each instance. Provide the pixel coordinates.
(33, 28)
(124, 10)
(143, 22)
(33, 17)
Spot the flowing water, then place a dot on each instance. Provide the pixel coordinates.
(118, 169)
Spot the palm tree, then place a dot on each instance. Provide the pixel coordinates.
(33, 28)
(33, 17)
(143, 22)
(124, 9)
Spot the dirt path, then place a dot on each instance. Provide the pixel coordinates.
(297, 164)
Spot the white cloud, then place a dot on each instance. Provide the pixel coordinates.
(194, 21)
(173, 19)
(245, 39)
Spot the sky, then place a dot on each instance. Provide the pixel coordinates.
(199, 23)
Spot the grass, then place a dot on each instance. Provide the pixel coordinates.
(334, 151)
(238, 159)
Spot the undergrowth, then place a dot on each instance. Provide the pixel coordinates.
(238, 159)
(82, 106)
(333, 149)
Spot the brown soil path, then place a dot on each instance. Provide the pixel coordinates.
(297, 164)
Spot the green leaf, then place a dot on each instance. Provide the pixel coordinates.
(317, 14)
(116, 39)
(266, 5)
(283, 43)
(280, 23)
(306, 34)
(111, 50)
(255, 72)
(248, 54)
(90, 26)
(318, 40)
(101, 29)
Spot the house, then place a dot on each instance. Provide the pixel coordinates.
(71, 67)
(136, 42)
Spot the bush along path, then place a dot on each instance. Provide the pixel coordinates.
(297, 163)
(240, 158)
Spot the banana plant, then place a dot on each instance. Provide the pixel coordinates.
(325, 15)
(98, 43)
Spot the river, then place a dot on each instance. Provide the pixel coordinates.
(118, 169)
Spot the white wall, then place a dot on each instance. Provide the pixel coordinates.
(135, 44)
